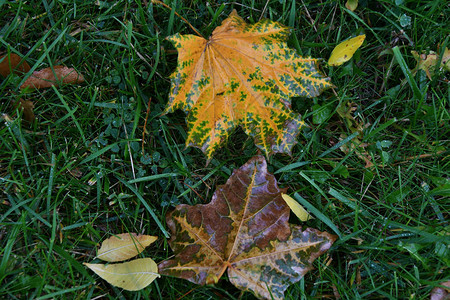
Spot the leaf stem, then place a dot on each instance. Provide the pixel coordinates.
(182, 18)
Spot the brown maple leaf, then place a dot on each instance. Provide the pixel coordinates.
(243, 229)
(243, 75)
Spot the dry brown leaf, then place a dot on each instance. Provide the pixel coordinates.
(27, 107)
(11, 63)
(439, 293)
(46, 78)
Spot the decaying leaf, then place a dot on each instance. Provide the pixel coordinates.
(351, 4)
(345, 50)
(131, 276)
(359, 148)
(48, 77)
(243, 75)
(428, 62)
(26, 106)
(296, 208)
(345, 111)
(11, 63)
(124, 246)
(439, 293)
(243, 229)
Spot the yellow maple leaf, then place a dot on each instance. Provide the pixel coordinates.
(243, 75)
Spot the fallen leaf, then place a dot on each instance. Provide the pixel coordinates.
(48, 77)
(11, 63)
(351, 4)
(243, 229)
(428, 62)
(345, 50)
(131, 276)
(439, 293)
(296, 208)
(124, 246)
(26, 106)
(345, 111)
(243, 75)
(358, 147)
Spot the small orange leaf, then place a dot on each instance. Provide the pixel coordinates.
(345, 50)
(48, 77)
(12, 63)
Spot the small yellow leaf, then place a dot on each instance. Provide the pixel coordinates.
(345, 50)
(351, 4)
(124, 246)
(296, 208)
(131, 276)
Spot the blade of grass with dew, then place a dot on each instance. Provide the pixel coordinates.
(149, 209)
(309, 207)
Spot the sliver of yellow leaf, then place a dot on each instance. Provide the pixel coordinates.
(243, 75)
(131, 276)
(345, 50)
(296, 208)
(124, 246)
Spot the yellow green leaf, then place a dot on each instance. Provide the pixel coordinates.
(345, 50)
(131, 276)
(124, 246)
(244, 230)
(296, 208)
(427, 62)
(351, 4)
(243, 75)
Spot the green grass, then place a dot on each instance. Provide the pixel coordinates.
(82, 172)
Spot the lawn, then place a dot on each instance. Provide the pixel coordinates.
(100, 158)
